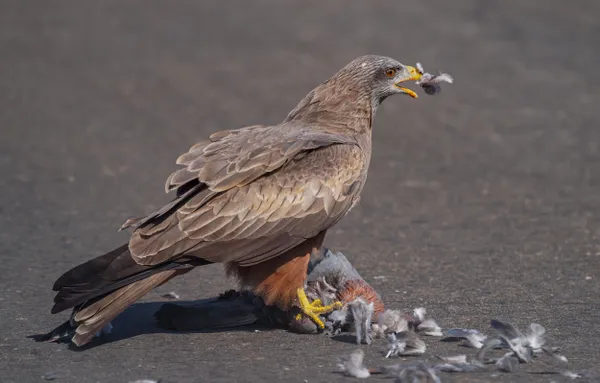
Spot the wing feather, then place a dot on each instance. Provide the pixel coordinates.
(262, 191)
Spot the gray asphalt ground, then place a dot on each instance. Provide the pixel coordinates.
(482, 202)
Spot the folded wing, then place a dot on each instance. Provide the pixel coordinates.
(248, 195)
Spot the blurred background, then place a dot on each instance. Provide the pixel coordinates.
(482, 201)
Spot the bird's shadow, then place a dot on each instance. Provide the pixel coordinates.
(138, 319)
(344, 338)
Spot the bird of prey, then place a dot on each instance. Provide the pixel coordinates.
(258, 199)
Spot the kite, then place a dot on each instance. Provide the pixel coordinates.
(258, 199)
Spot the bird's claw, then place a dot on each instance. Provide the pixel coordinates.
(314, 308)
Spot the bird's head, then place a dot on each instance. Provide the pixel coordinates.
(378, 76)
(356, 91)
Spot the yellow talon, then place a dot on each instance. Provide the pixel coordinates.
(312, 310)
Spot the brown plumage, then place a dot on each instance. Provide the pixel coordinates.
(257, 199)
(277, 279)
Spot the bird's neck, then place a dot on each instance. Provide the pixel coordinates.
(336, 108)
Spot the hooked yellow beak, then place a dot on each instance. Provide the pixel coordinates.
(411, 74)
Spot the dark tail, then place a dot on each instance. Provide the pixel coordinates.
(103, 287)
(101, 276)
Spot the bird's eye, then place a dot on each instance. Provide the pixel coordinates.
(390, 72)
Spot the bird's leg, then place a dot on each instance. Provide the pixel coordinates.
(314, 308)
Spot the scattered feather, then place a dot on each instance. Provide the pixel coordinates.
(404, 343)
(50, 375)
(402, 332)
(352, 365)
(524, 353)
(377, 330)
(458, 363)
(508, 363)
(488, 344)
(419, 372)
(561, 358)
(425, 325)
(414, 344)
(536, 337)
(362, 314)
(419, 314)
(553, 352)
(395, 346)
(390, 321)
(506, 329)
(522, 345)
(469, 337)
(459, 367)
(413, 372)
(171, 295)
(462, 332)
(571, 374)
(474, 340)
(430, 327)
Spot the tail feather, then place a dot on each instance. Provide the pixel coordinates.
(93, 269)
(72, 296)
(103, 287)
(93, 318)
(104, 274)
